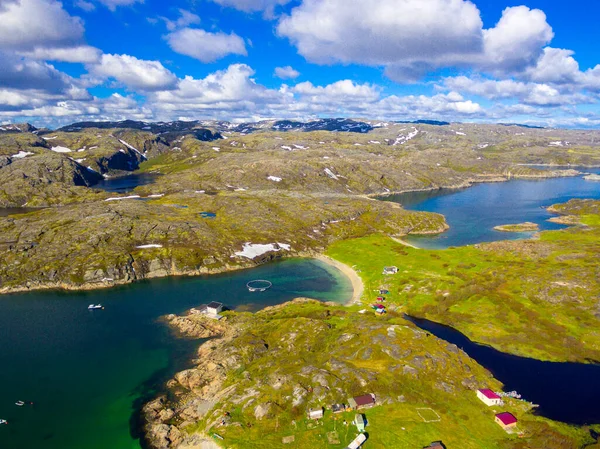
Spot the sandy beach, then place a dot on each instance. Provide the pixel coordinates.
(357, 283)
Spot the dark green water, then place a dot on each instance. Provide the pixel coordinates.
(89, 372)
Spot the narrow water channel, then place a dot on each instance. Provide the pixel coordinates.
(567, 392)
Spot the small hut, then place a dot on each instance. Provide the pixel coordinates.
(315, 413)
(360, 422)
(506, 420)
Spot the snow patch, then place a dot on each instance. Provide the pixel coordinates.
(50, 138)
(458, 133)
(402, 139)
(131, 147)
(60, 149)
(285, 147)
(252, 250)
(331, 174)
(22, 154)
(152, 245)
(300, 147)
(156, 195)
(119, 198)
(217, 149)
(274, 179)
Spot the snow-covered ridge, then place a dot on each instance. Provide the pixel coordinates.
(402, 139)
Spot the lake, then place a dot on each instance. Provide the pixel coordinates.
(567, 392)
(472, 213)
(125, 184)
(89, 372)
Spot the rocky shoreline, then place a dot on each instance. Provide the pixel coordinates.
(520, 227)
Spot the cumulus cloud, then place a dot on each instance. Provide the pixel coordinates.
(253, 5)
(286, 73)
(382, 32)
(556, 65)
(528, 93)
(133, 72)
(517, 40)
(344, 90)
(30, 24)
(228, 90)
(23, 73)
(411, 37)
(206, 46)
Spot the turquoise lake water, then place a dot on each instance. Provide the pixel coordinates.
(472, 213)
(88, 373)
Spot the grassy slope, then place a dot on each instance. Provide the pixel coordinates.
(536, 298)
(307, 347)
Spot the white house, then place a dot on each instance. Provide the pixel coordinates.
(316, 413)
(488, 397)
(214, 308)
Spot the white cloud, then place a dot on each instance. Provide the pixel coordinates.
(114, 4)
(133, 72)
(228, 89)
(528, 93)
(85, 5)
(253, 5)
(82, 53)
(205, 46)
(185, 19)
(412, 37)
(556, 65)
(23, 73)
(30, 24)
(345, 90)
(517, 40)
(286, 73)
(382, 32)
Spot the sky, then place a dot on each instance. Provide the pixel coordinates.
(485, 61)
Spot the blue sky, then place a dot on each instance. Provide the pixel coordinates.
(477, 61)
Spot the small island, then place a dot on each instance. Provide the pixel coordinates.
(521, 227)
(592, 177)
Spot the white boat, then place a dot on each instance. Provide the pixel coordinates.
(3, 421)
(95, 306)
(19, 403)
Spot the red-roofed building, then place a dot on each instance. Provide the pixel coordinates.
(488, 397)
(506, 420)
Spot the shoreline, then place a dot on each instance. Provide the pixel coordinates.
(358, 285)
(491, 178)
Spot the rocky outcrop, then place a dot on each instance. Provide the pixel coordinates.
(521, 227)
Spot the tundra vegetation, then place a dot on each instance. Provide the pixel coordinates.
(310, 186)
